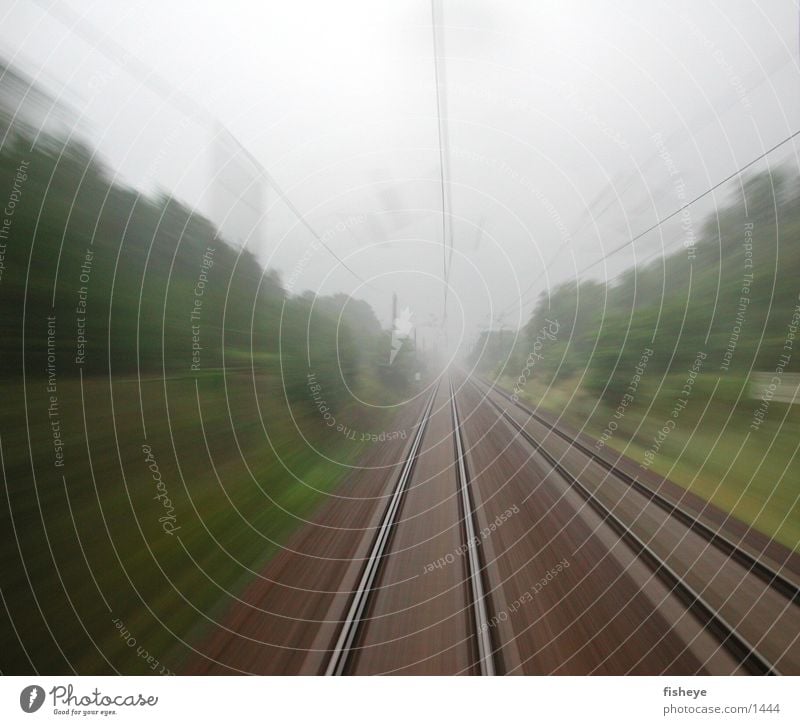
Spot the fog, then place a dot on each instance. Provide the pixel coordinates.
(563, 130)
(424, 337)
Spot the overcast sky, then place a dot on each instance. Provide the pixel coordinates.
(551, 113)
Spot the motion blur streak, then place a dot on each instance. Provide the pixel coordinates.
(431, 337)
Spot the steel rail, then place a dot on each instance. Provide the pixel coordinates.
(479, 602)
(744, 652)
(343, 648)
(763, 571)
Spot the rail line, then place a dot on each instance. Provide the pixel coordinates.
(342, 654)
(745, 653)
(479, 603)
(763, 571)
(342, 651)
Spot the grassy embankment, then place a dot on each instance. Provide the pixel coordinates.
(235, 501)
(755, 476)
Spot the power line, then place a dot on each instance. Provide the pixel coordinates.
(693, 201)
(301, 218)
(661, 221)
(442, 136)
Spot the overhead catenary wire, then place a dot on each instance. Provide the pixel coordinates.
(300, 216)
(689, 203)
(661, 220)
(441, 120)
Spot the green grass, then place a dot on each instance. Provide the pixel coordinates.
(754, 476)
(234, 510)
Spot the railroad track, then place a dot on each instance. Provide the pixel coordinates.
(342, 655)
(474, 572)
(744, 651)
(763, 571)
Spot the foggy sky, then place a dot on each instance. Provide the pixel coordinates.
(553, 115)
